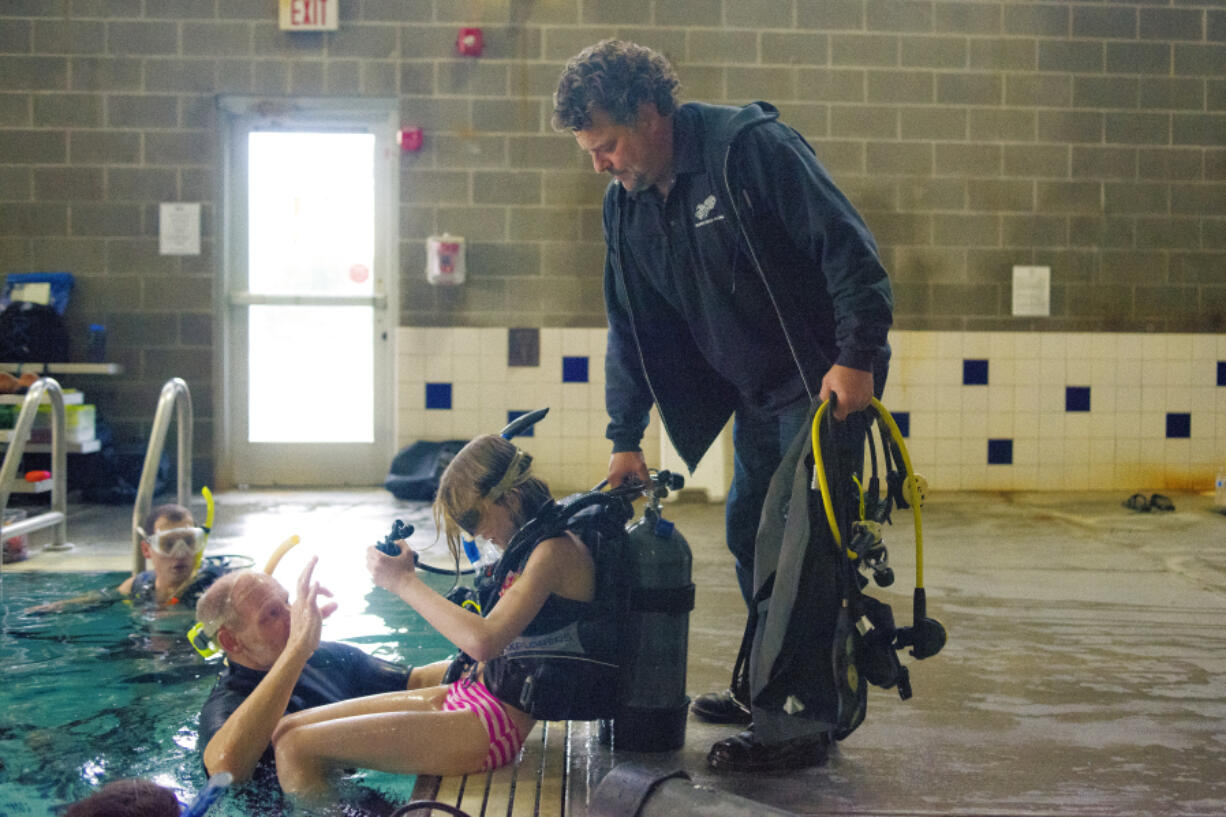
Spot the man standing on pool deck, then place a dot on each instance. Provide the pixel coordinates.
(277, 664)
(738, 279)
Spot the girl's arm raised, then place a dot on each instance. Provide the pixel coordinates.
(548, 569)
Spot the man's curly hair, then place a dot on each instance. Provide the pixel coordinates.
(615, 77)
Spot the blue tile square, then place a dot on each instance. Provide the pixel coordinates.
(902, 419)
(974, 372)
(513, 415)
(574, 369)
(1000, 452)
(1178, 425)
(1221, 372)
(1077, 398)
(438, 395)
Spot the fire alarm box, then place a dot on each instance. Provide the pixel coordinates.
(468, 43)
(410, 138)
(445, 259)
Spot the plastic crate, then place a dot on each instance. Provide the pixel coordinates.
(80, 423)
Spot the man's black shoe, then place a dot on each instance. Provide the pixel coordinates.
(720, 707)
(741, 753)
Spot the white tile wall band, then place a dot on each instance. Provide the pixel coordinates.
(1121, 443)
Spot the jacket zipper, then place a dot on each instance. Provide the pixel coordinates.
(753, 256)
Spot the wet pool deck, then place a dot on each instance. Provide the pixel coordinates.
(1085, 671)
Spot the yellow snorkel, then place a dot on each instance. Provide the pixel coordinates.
(281, 550)
(209, 508)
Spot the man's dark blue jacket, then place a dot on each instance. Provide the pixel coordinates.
(807, 247)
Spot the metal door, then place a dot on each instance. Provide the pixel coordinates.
(308, 225)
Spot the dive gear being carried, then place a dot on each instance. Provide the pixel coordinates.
(905, 489)
(814, 640)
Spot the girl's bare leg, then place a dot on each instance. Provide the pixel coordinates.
(428, 675)
(403, 742)
(427, 699)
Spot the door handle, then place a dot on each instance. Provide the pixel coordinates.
(244, 298)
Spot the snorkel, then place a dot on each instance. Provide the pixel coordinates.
(277, 554)
(209, 795)
(209, 508)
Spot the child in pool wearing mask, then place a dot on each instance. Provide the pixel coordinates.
(173, 544)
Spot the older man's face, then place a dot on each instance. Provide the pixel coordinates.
(636, 155)
(262, 605)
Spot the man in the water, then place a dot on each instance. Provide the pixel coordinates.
(173, 545)
(276, 664)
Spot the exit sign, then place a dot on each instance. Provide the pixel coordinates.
(309, 15)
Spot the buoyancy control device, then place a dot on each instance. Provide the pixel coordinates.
(567, 661)
(814, 640)
(644, 598)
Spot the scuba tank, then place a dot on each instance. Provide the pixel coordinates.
(654, 635)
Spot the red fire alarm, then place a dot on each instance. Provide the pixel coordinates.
(469, 42)
(409, 138)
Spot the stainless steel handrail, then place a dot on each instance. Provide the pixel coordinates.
(175, 395)
(57, 517)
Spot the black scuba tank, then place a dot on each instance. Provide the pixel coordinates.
(654, 636)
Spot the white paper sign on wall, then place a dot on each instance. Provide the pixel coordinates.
(179, 228)
(1032, 291)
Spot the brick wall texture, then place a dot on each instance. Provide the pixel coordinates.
(1088, 136)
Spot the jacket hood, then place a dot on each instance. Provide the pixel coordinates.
(726, 122)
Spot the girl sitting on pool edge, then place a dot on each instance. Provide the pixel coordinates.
(488, 490)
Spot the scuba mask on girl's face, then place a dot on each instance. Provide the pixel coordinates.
(176, 542)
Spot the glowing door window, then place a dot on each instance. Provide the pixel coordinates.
(311, 232)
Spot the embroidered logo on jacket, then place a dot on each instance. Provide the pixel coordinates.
(702, 213)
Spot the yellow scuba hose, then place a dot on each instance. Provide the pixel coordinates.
(911, 490)
(819, 473)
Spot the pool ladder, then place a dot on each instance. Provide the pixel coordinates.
(175, 398)
(57, 517)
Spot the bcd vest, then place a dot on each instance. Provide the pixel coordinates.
(565, 665)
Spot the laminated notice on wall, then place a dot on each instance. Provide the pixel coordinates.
(1032, 291)
(445, 259)
(179, 228)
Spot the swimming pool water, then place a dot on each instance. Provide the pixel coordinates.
(91, 696)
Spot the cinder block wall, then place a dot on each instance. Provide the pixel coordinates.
(972, 135)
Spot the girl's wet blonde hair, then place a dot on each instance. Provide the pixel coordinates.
(488, 471)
